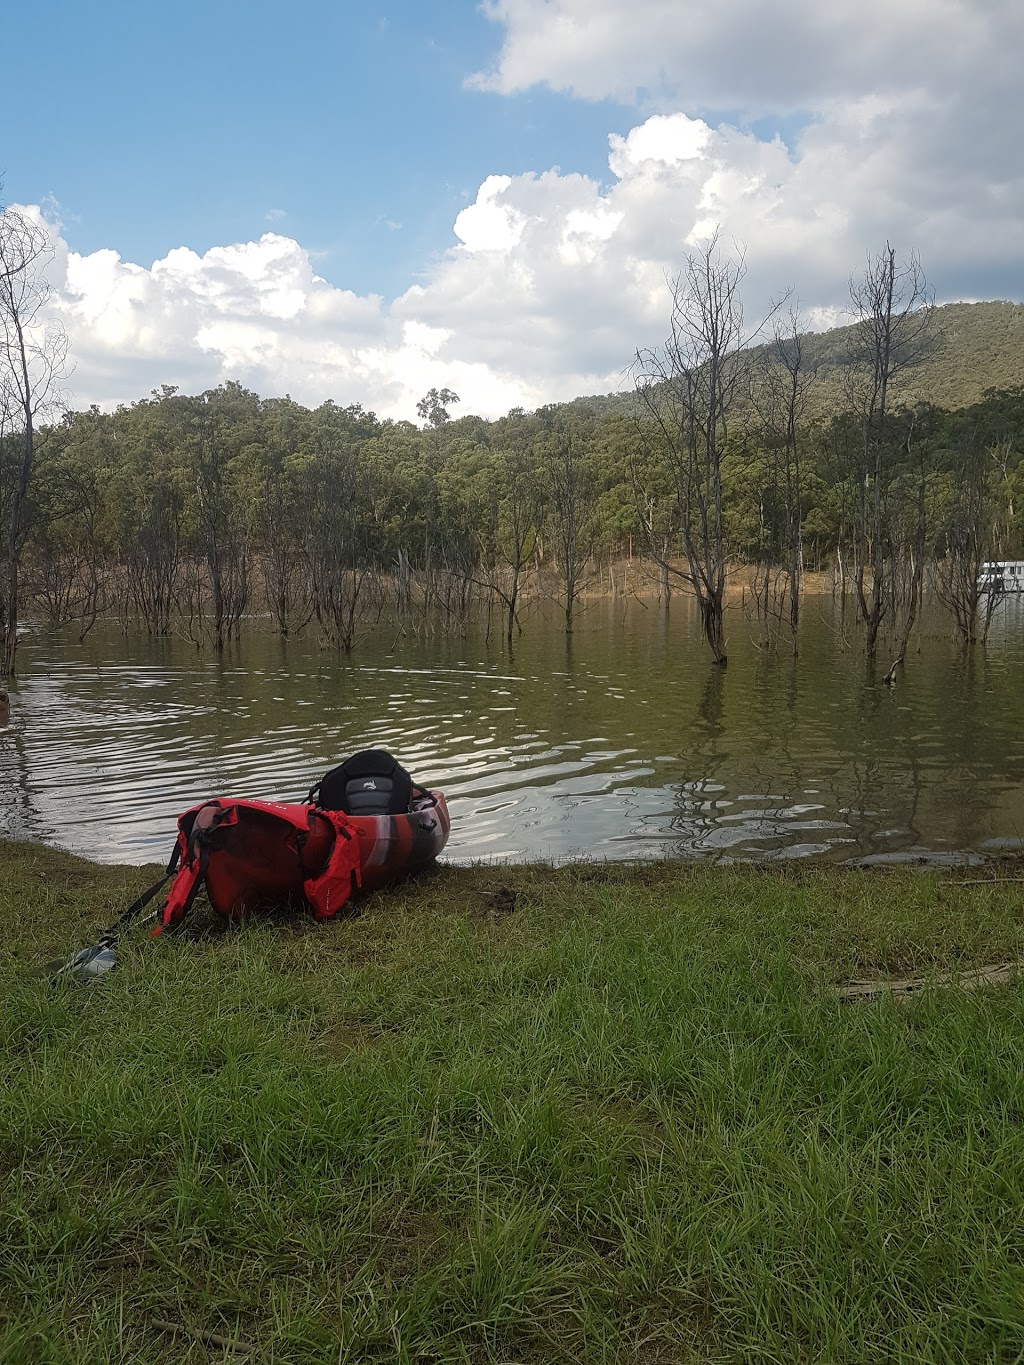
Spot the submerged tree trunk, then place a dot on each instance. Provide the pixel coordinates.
(892, 307)
(688, 389)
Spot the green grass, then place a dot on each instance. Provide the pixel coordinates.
(627, 1122)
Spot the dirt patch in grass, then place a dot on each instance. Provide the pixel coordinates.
(346, 1038)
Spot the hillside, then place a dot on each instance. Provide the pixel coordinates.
(976, 346)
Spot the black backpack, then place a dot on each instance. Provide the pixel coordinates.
(371, 782)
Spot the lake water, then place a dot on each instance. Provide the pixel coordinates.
(623, 743)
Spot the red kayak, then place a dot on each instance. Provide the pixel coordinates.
(254, 853)
(390, 845)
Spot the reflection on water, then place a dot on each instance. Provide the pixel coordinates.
(624, 743)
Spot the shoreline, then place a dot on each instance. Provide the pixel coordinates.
(99, 884)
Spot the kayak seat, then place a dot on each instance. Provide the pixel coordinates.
(371, 782)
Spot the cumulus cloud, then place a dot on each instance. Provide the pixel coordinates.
(910, 112)
(553, 279)
(489, 225)
(739, 54)
(256, 312)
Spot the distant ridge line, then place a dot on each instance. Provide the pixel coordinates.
(978, 347)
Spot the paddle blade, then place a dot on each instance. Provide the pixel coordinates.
(85, 965)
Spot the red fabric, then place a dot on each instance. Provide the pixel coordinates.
(248, 853)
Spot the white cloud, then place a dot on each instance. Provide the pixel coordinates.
(740, 54)
(666, 139)
(489, 225)
(910, 130)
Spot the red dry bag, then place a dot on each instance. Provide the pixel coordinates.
(250, 853)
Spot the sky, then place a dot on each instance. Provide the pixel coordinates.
(361, 202)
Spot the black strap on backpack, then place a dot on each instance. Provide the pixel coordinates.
(372, 782)
(110, 936)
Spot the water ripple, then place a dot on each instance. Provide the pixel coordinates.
(774, 758)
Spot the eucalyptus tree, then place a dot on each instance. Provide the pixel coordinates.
(907, 526)
(33, 360)
(753, 520)
(838, 450)
(71, 549)
(146, 485)
(470, 474)
(565, 450)
(651, 476)
(999, 423)
(274, 509)
(1009, 471)
(451, 552)
(617, 529)
(453, 502)
(338, 550)
(449, 545)
(520, 506)
(969, 535)
(397, 476)
(433, 407)
(461, 505)
(218, 425)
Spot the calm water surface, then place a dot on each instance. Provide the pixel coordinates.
(625, 743)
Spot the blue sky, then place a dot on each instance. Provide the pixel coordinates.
(348, 126)
(359, 202)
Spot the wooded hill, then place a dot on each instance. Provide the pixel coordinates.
(974, 347)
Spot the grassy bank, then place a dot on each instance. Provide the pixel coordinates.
(603, 1115)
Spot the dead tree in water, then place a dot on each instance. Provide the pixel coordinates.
(519, 508)
(891, 305)
(33, 360)
(565, 445)
(688, 388)
(779, 390)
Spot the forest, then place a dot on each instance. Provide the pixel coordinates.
(853, 454)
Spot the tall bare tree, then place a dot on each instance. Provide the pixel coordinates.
(891, 305)
(688, 389)
(33, 358)
(779, 390)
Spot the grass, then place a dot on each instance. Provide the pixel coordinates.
(598, 1114)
